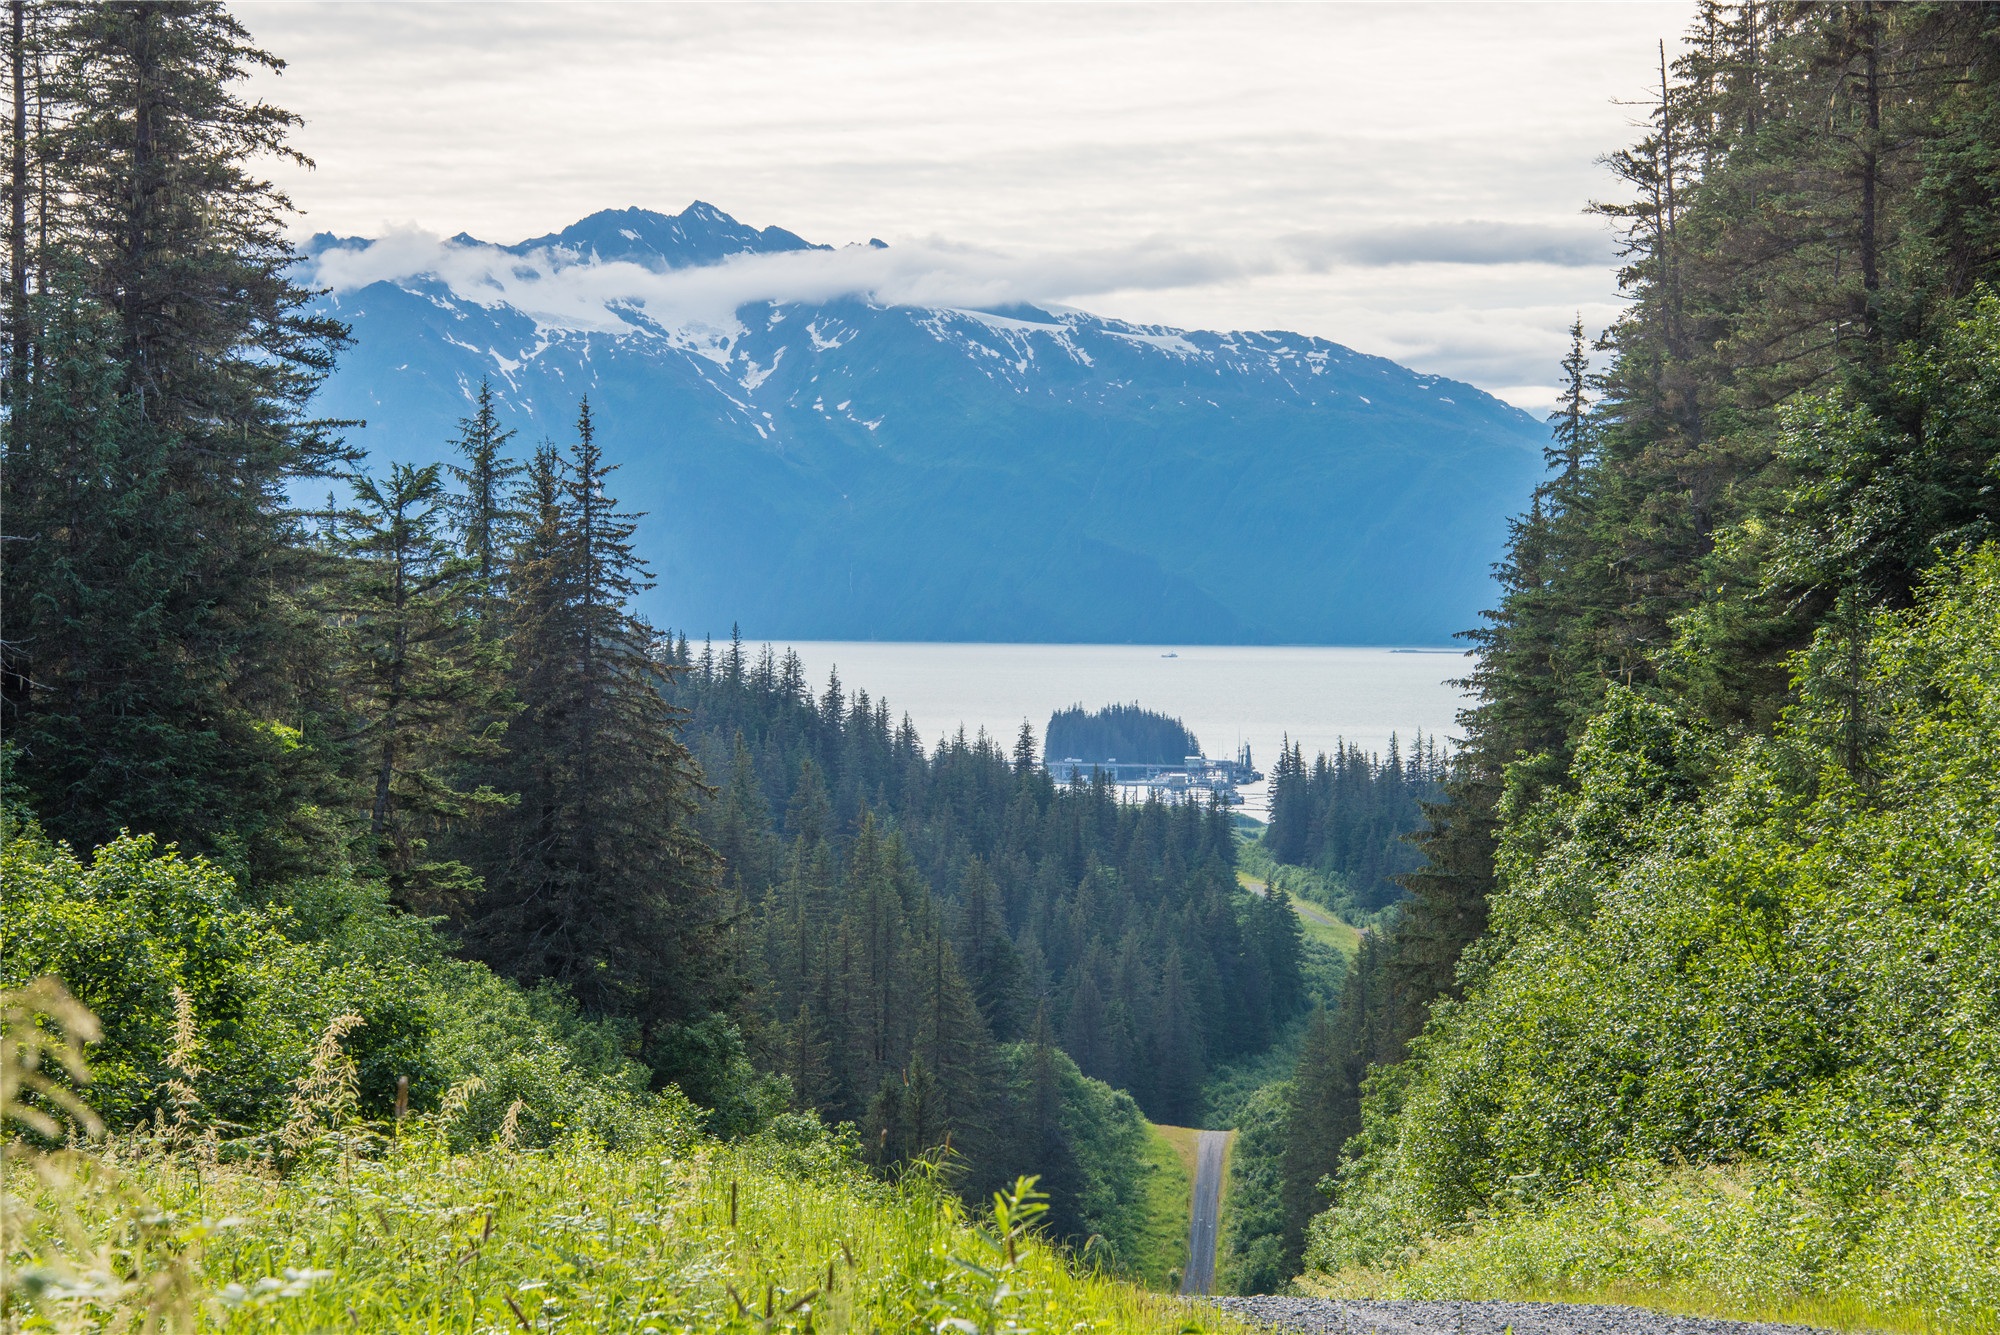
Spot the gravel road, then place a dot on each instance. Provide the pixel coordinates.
(1341, 1317)
(1205, 1215)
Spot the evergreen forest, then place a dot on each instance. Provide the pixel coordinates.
(1348, 814)
(401, 932)
(325, 815)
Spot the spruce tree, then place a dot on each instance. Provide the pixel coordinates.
(486, 514)
(1315, 1131)
(423, 692)
(1175, 1051)
(1024, 749)
(153, 674)
(992, 965)
(598, 880)
(1085, 1033)
(1048, 1148)
(743, 825)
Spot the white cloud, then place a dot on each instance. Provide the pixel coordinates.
(564, 290)
(1324, 158)
(560, 289)
(1583, 244)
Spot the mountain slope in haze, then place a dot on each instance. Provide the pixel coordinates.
(851, 470)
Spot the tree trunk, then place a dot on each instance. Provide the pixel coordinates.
(1871, 280)
(139, 222)
(17, 239)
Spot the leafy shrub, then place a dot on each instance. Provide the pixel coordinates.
(125, 930)
(1779, 952)
(542, 1066)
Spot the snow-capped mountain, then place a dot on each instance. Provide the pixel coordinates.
(818, 464)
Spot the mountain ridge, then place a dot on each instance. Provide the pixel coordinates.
(846, 468)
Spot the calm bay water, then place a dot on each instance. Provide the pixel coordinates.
(1224, 693)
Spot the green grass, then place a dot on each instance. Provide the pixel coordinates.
(1729, 1242)
(703, 1236)
(1320, 924)
(1169, 1170)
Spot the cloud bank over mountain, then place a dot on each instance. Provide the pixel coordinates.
(581, 292)
(1222, 130)
(563, 288)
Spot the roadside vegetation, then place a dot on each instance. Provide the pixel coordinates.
(1692, 1001)
(1169, 1169)
(1731, 1037)
(338, 1223)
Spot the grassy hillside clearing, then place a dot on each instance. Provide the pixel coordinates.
(1320, 925)
(399, 1234)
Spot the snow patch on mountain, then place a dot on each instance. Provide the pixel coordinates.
(757, 375)
(1174, 343)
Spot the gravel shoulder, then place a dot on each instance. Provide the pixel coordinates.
(1484, 1317)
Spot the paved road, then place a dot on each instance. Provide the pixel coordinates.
(1200, 1274)
(1327, 1316)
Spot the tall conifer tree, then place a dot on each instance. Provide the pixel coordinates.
(423, 690)
(1315, 1131)
(599, 881)
(487, 514)
(154, 673)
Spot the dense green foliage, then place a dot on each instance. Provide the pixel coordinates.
(404, 781)
(1252, 1256)
(262, 981)
(1124, 923)
(190, 657)
(594, 875)
(1710, 881)
(1351, 814)
(376, 1231)
(1711, 949)
(159, 367)
(1118, 732)
(1296, 1126)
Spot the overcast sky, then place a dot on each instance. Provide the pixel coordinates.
(1406, 179)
